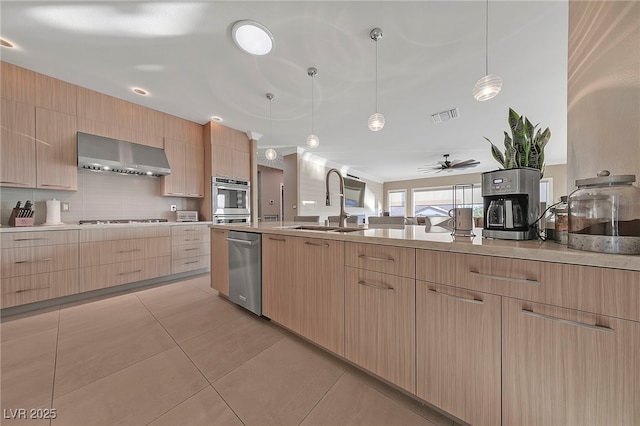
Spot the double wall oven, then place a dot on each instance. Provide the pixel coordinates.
(231, 200)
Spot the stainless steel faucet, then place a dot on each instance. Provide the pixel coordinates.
(343, 214)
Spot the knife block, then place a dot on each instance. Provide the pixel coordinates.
(16, 218)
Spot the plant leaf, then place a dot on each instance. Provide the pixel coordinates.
(513, 119)
(497, 155)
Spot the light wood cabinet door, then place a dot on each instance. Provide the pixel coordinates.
(377, 257)
(55, 95)
(17, 144)
(458, 352)
(56, 150)
(174, 184)
(241, 164)
(220, 261)
(567, 367)
(221, 162)
(380, 324)
(17, 84)
(194, 169)
(321, 276)
(281, 287)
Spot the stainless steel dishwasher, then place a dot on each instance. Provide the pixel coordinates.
(245, 270)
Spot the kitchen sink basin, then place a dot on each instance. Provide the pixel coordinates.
(325, 228)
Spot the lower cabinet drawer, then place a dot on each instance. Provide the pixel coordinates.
(189, 264)
(38, 260)
(102, 276)
(189, 250)
(34, 288)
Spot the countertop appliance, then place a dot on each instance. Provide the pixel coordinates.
(511, 203)
(231, 198)
(245, 270)
(186, 216)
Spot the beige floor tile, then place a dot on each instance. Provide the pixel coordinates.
(352, 402)
(206, 408)
(135, 395)
(218, 352)
(198, 318)
(27, 366)
(23, 325)
(169, 299)
(281, 385)
(27, 418)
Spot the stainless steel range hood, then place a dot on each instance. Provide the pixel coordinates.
(105, 154)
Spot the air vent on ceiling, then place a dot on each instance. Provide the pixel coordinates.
(450, 114)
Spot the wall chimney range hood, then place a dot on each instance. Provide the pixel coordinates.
(100, 153)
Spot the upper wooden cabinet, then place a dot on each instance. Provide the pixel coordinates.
(17, 144)
(185, 151)
(56, 150)
(17, 84)
(230, 153)
(56, 95)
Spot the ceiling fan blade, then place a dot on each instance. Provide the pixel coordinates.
(466, 163)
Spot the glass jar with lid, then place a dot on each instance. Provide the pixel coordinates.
(561, 221)
(604, 214)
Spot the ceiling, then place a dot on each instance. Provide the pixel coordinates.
(429, 58)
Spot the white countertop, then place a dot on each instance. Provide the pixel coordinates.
(415, 236)
(75, 226)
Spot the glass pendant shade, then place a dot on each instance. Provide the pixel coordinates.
(487, 87)
(313, 141)
(376, 122)
(270, 154)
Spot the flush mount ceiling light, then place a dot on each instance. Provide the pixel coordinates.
(490, 85)
(216, 118)
(140, 91)
(376, 121)
(270, 153)
(252, 37)
(312, 140)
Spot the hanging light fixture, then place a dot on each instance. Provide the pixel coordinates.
(376, 121)
(312, 140)
(270, 153)
(490, 85)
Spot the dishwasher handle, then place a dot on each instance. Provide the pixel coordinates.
(246, 242)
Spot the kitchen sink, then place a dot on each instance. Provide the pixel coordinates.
(325, 228)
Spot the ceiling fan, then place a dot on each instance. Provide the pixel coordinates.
(449, 165)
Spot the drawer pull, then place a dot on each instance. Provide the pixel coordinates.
(277, 239)
(377, 259)
(569, 322)
(128, 251)
(191, 230)
(316, 244)
(30, 239)
(458, 298)
(192, 239)
(51, 185)
(14, 183)
(46, 259)
(193, 261)
(498, 277)
(130, 272)
(30, 289)
(190, 249)
(379, 287)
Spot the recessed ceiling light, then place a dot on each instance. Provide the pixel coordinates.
(140, 91)
(252, 37)
(5, 43)
(216, 118)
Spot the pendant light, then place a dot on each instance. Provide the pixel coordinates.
(376, 121)
(270, 153)
(312, 140)
(490, 85)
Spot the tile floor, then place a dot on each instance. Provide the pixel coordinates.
(177, 354)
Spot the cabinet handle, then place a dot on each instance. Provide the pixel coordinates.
(191, 239)
(191, 230)
(30, 239)
(377, 259)
(130, 272)
(55, 186)
(193, 261)
(379, 287)
(218, 231)
(175, 193)
(14, 183)
(461, 299)
(30, 289)
(194, 195)
(128, 251)
(277, 239)
(190, 249)
(498, 277)
(569, 322)
(316, 244)
(247, 242)
(46, 259)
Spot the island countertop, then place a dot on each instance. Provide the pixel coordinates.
(419, 236)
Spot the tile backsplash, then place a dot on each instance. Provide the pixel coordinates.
(100, 196)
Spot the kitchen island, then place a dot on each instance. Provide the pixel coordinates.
(488, 331)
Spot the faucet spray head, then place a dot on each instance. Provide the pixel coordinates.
(328, 202)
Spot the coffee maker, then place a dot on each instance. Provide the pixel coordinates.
(511, 203)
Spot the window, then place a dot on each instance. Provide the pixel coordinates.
(438, 201)
(397, 202)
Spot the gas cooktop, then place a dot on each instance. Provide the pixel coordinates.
(118, 221)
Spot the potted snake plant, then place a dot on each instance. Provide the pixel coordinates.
(524, 147)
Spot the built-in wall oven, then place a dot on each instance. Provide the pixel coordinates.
(231, 199)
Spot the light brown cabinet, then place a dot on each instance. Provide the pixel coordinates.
(563, 366)
(17, 144)
(56, 152)
(189, 248)
(220, 261)
(458, 351)
(38, 266)
(185, 151)
(230, 153)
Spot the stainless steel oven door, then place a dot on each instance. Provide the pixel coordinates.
(230, 197)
